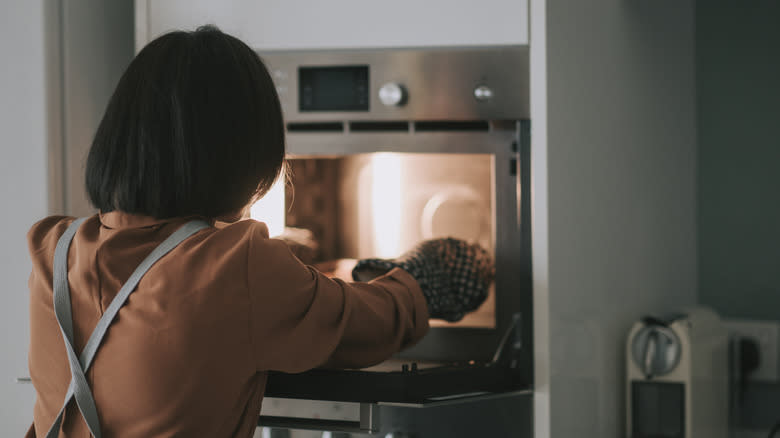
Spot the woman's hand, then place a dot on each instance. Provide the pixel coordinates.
(454, 275)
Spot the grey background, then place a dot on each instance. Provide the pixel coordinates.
(738, 122)
(738, 84)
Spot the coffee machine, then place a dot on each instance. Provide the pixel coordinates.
(677, 376)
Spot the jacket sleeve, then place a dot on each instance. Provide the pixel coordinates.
(301, 319)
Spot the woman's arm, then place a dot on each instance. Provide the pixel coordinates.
(301, 319)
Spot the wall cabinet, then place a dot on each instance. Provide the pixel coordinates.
(275, 24)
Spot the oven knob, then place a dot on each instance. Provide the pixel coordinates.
(392, 94)
(483, 93)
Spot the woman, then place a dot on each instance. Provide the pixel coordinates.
(193, 135)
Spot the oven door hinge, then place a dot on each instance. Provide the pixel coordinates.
(510, 348)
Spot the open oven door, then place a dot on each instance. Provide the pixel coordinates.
(396, 383)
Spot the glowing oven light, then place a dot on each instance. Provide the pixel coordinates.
(270, 209)
(386, 204)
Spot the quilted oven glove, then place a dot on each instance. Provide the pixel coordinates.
(454, 275)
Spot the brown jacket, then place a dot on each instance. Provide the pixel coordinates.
(188, 353)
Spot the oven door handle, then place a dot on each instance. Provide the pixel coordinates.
(368, 423)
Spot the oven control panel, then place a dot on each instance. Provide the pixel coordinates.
(481, 83)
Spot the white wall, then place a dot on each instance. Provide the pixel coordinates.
(22, 194)
(614, 195)
(274, 24)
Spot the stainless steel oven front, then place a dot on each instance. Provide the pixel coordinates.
(388, 147)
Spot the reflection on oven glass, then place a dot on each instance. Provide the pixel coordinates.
(340, 209)
(386, 207)
(270, 209)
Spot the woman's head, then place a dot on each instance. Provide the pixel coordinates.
(194, 127)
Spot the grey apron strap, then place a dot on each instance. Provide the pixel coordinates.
(79, 388)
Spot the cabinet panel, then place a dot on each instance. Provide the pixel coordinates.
(342, 23)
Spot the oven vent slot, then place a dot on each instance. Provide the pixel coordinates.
(315, 127)
(379, 126)
(390, 126)
(451, 125)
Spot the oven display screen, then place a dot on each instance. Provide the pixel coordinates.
(341, 88)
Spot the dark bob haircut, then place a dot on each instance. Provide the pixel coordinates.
(194, 127)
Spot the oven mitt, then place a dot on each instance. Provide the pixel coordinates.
(454, 275)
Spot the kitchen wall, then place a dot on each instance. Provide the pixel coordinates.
(614, 162)
(22, 193)
(738, 67)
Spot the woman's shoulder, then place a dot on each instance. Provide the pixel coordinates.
(244, 228)
(47, 231)
(252, 235)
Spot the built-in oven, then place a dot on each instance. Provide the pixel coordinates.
(389, 147)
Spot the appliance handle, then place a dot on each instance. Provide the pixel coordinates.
(368, 423)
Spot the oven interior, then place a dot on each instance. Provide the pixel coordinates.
(334, 210)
